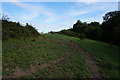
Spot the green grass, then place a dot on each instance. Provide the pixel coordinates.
(107, 55)
(40, 50)
(23, 53)
(72, 67)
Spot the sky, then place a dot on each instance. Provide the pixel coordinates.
(56, 16)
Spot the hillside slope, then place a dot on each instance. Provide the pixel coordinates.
(58, 56)
(106, 55)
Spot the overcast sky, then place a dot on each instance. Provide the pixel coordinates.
(55, 16)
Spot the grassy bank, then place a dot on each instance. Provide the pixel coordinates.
(107, 55)
(40, 50)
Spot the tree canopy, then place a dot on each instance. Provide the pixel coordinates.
(111, 27)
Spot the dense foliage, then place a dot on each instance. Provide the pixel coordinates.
(108, 31)
(79, 27)
(92, 30)
(84, 30)
(111, 27)
(15, 30)
(69, 32)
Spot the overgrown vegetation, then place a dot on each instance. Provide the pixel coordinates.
(111, 27)
(15, 30)
(108, 31)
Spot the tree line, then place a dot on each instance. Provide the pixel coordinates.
(108, 31)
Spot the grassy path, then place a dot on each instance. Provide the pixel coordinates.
(90, 60)
(93, 68)
(57, 56)
(19, 72)
(106, 56)
(92, 64)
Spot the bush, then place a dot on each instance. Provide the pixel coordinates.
(82, 36)
(15, 30)
(69, 33)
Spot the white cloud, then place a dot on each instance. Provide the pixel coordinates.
(76, 9)
(74, 13)
(32, 11)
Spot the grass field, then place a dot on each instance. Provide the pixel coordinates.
(107, 55)
(40, 50)
(35, 51)
(71, 67)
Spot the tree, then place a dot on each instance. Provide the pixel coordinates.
(110, 15)
(79, 27)
(111, 27)
(93, 31)
(15, 30)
